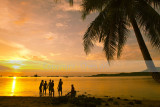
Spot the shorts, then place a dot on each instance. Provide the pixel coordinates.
(60, 89)
(52, 90)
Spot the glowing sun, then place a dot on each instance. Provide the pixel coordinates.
(16, 67)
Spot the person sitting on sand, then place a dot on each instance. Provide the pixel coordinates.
(73, 91)
(60, 87)
(40, 86)
(45, 87)
(52, 87)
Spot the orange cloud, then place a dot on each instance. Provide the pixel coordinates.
(63, 5)
(50, 36)
(96, 56)
(4, 68)
(24, 3)
(53, 54)
(21, 21)
(35, 58)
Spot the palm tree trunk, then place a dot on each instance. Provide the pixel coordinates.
(148, 60)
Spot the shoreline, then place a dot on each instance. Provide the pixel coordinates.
(47, 101)
(75, 76)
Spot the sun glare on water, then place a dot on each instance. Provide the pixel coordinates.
(13, 86)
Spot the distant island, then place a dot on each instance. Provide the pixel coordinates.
(142, 73)
(123, 74)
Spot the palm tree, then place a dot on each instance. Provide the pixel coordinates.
(111, 26)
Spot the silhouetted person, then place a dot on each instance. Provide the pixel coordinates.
(45, 87)
(52, 88)
(60, 87)
(73, 91)
(40, 87)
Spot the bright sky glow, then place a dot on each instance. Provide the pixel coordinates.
(35, 33)
(16, 67)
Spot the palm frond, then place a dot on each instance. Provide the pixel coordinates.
(109, 27)
(149, 19)
(155, 3)
(118, 34)
(123, 35)
(92, 5)
(94, 30)
(110, 47)
(110, 44)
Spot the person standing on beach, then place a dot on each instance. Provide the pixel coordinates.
(45, 87)
(40, 87)
(60, 87)
(50, 87)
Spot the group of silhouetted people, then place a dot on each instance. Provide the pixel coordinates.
(44, 86)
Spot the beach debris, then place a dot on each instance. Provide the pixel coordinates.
(80, 101)
(131, 103)
(118, 98)
(138, 101)
(83, 100)
(106, 104)
(115, 103)
(125, 99)
(105, 96)
(59, 100)
(110, 99)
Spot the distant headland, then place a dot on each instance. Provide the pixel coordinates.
(142, 73)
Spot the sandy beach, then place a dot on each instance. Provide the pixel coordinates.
(27, 102)
(47, 102)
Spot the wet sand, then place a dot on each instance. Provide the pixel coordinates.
(47, 102)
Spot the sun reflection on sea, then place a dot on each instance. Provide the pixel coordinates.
(13, 86)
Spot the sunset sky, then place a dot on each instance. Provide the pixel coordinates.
(39, 35)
